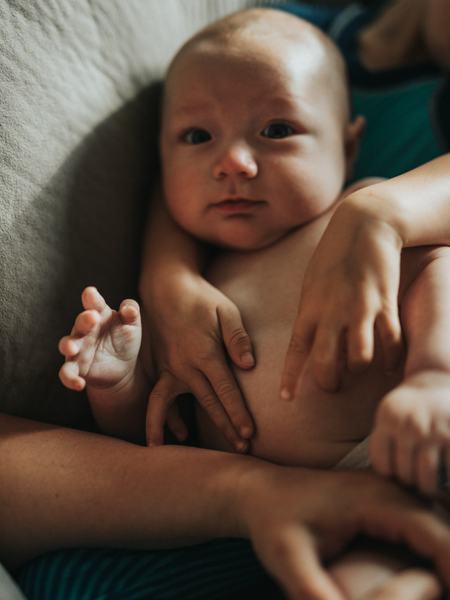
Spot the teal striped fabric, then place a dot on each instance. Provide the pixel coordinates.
(212, 571)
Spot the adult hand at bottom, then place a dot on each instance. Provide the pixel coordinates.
(297, 517)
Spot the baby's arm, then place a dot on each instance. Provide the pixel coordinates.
(190, 324)
(412, 431)
(102, 354)
(351, 284)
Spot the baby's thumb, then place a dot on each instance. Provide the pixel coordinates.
(235, 337)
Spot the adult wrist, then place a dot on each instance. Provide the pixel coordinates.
(373, 208)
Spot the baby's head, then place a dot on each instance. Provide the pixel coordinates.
(256, 135)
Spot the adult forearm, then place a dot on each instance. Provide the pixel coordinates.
(416, 204)
(65, 488)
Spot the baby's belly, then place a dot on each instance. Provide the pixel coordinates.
(318, 429)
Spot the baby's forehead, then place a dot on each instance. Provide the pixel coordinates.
(277, 47)
(247, 55)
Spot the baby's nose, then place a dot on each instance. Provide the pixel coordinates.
(236, 160)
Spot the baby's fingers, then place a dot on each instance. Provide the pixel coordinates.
(129, 312)
(69, 346)
(69, 376)
(85, 323)
(92, 299)
(381, 453)
(420, 585)
(428, 460)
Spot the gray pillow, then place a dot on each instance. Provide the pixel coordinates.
(78, 133)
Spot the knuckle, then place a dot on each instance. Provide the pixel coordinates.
(208, 353)
(297, 344)
(239, 337)
(225, 389)
(208, 401)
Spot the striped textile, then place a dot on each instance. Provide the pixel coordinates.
(215, 570)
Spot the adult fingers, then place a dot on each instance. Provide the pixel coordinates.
(360, 344)
(293, 560)
(207, 398)
(226, 389)
(165, 391)
(390, 334)
(328, 357)
(176, 424)
(235, 337)
(297, 354)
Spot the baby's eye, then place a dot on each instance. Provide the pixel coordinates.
(196, 136)
(277, 131)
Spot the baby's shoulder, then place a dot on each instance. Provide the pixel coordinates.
(359, 185)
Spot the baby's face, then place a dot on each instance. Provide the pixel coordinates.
(251, 145)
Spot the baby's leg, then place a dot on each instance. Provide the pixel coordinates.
(377, 572)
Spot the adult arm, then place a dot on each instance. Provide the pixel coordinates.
(192, 327)
(351, 285)
(67, 488)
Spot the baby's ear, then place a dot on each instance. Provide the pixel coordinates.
(353, 134)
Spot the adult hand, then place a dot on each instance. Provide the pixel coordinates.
(297, 517)
(411, 437)
(194, 327)
(349, 297)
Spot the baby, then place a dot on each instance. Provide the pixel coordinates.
(256, 145)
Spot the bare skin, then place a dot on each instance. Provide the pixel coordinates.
(327, 432)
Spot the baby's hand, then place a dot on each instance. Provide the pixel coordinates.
(191, 328)
(102, 348)
(411, 437)
(349, 297)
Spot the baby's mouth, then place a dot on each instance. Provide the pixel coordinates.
(236, 205)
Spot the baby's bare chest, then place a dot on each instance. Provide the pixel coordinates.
(319, 428)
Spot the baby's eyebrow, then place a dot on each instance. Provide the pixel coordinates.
(191, 108)
(281, 103)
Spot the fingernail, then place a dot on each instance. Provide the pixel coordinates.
(245, 432)
(285, 394)
(247, 359)
(241, 446)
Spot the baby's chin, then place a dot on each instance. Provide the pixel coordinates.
(246, 243)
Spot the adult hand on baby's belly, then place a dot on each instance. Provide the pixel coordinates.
(316, 430)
